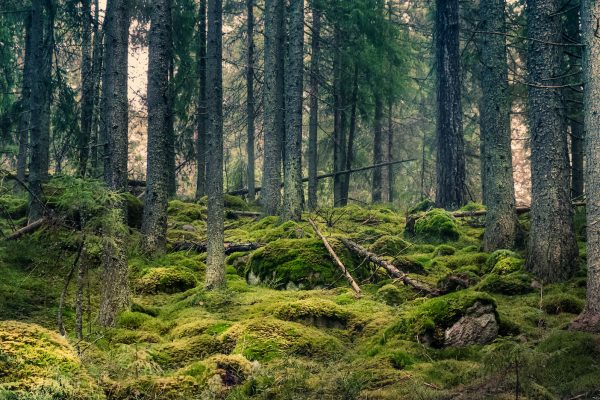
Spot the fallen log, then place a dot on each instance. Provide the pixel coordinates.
(519, 210)
(26, 229)
(335, 258)
(392, 270)
(201, 247)
(240, 192)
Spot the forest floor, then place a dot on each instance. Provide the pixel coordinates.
(288, 326)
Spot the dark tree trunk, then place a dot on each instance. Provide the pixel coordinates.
(42, 41)
(215, 260)
(590, 11)
(170, 124)
(552, 247)
(351, 136)
(294, 78)
(274, 115)
(201, 142)
(451, 189)
(250, 177)
(154, 223)
(376, 190)
(339, 134)
(577, 152)
(496, 154)
(114, 289)
(87, 88)
(389, 154)
(25, 104)
(314, 107)
(96, 79)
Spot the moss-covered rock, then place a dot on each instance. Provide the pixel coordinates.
(38, 363)
(444, 250)
(235, 203)
(187, 349)
(562, 303)
(166, 280)
(436, 226)
(496, 256)
(511, 284)
(316, 312)
(389, 246)
(408, 264)
(179, 211)
(200, 326)
(422, 206)
(231, 370)
(508, 265)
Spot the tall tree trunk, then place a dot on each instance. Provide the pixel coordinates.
(451, 189)
(577, 153)
(25, 105)
(294, 78)
(114, 289)
(215, 260)
(201, 142)
(274, 121)
(96, 79)
(376, 189)
(170, 124)
(250, 177)
(590, 12)
(552, 248)
(42, 40)
(339, 140)
(496, 154)
(314, 107)
(87, 88)
(351, 136)
(154, 223)
(389, 170)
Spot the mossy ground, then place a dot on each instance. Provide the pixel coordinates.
(179, 341)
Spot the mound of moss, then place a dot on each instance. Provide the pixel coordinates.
(436, 226)
(316, 312)
(178, 387)
(38, 363)
(12, 206)
(298, 263)
(182, 351)
(392, 295)
(180, 211)
(497, 256)
(389, 246)
(562, 303)
(510, 284)
(166, 280)
(428, 320)
(422, 206)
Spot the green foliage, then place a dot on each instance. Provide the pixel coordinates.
(508, 265)
(511, 284)
(316, 312)
(444, 250)
(496, 256)
(392, 295)
(180, 211)
(166, 280)
(562, 303)
(235, 203)
(436, 226)
(422, 206)
(13, 206)
(389, 246)
(472, 206)
(132, 319)
(401, 360)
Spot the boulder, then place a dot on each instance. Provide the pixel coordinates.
(477, 326)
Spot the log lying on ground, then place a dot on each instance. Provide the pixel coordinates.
(519, 210)
(26, 229)
(393, 271)
(241, 192)
(336, 259)
(201, 247)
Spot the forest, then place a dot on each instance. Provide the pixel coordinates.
(299, 199)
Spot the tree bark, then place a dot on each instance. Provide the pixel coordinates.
(87, 88)
(496, 155)
(154, 222)
(294, 78)
(250, 176)
(274, 116)
(314, 107)
(351, 136)
(201, 141)
(25, 103)
(97, 51)
(215, 260)
(553, 250)
(451, 189)
(339, 138)
(377, 189)
(389, 155)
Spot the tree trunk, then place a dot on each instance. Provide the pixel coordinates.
(552, 247)
(154, 223)
(339, 139)
(42, 41)
(25, 103)
(577, 152)
(314, 107)
(294, 74)
(87, 88)
(451, 189)
(170, 123)
(590, 11)
(390, 153)
(376, 190)
(351, 136)
(201, 141)
(215, 260)
(96, 79)
(114, 289)
(250, 177)
(274, 127)
(496, 154)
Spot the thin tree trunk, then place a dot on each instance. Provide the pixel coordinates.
(314, 107)
(154, 222)
(553, 250)
(590, 12)
(201, 142)
(215, 260)
(114, 289)
(389, 153)
(170, 123)
(577, 153)
(376, 188)
(250, 176)
(496, 154)
(79, 307)
(96, 79)
(87, 88)
(294, 74)
(339, 147)
(25, 104)
(351, 136)
(274, 126)
(451, 189)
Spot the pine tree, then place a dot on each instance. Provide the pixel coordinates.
(87, 88)
(313, 124)
(201, 114)
(250, 111)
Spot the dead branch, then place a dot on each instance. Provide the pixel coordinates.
(26, 229)
(201, 247)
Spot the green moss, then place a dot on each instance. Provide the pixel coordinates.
(508, 265)
(13, 206)
(128, 336)
(37, 362)
(166, 280)
(146, 309)
(392, 295)
(496, 256)
(135, 210)
(235, 203)
(316, 312)
(562, 303)
(179, 387)
(389, 246)
(423, 205)
(472, 206)
(132, 319)
(514, 283)
(429, 319)
(401, 360)
(182, 351)
(199, 327)
(436, 226)
(180, 211)
(408, 264)
(232, 370)
(444, 250)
